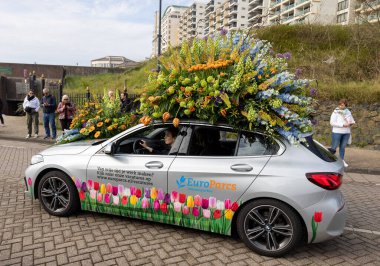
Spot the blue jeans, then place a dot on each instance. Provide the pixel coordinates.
(49, 118)
(341, 140)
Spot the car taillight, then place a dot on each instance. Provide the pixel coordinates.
(329, 181)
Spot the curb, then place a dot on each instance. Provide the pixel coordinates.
(363, 171)
(35, 140)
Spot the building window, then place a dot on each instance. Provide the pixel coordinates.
(242, 16)
(342, 5)
(342, 17)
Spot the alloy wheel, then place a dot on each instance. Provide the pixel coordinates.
(268, 228)
(55, 194)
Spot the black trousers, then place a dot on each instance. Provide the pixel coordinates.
(65, 123)
(1, 118)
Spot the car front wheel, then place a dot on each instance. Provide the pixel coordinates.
(269, 227)
(58, 194)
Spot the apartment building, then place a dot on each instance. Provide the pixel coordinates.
(346, 12)
(155, 35)
(301, 11)
(367, 11)
(210, 19)
(192, 21)
(257, 12)
(170, 26)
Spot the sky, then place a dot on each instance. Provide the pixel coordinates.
(71, 32)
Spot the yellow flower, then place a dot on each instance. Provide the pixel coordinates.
(100, 111)
(103, 189)
(228, 214)
(153, 193)
(92, 128)
(82, 130)
(107, 120)
(190, 202)
(99, 124)
(97, 134)
(109, 128)
(97, 117)
(81, 115)
(133, 199)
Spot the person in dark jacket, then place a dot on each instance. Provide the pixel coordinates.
(126, 103)
(1, 113)
(49, 105)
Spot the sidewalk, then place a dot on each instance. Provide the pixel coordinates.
(359, 160)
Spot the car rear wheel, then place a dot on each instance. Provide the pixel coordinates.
(58, 194)
(269, 227)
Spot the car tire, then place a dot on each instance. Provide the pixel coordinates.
(58, 194)
(269, 227)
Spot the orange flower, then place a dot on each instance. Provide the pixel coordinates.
(107, 120)
(123, 127)
(223, 112)
(175, 122)
(192, 109)
(99, 124)
(97, 134)
(147, 120)
(109, 128)
(165, 116)
(82, 130)
(92, 128)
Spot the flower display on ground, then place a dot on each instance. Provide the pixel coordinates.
(234, 79)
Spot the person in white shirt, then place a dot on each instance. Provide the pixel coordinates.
(341, 121)
(31, 106)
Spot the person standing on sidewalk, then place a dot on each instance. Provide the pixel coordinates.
(341, 121)
(31, 106)
(1, 113)
(66, 110)
(49, 105)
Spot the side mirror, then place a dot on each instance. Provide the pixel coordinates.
(110, 148)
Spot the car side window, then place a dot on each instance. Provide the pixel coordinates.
(255, 144)
(212, 141)
(153, 137)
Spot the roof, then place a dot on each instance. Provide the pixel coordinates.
(173, 6)
(122, 59)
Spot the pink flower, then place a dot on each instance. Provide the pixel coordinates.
(174, 196)
(78, 184)
(100, 197)
(197, 200)
(133, 190)
(121, 189)
(145, 203)
(206, 213)
(227, 203)
(115, 200)
(30, 181)
(109, 188)
(90, 184)
(212, 202)
(195, 212)
(185, 210)
(160, 195)
(107, 198)
(93, 194)
(156, 205)
(115, 190)
(177, 206)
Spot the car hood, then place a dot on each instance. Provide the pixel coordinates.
(69, 148)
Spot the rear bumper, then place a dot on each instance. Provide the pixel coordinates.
(332, 221)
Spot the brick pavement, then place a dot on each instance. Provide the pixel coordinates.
(29, 236)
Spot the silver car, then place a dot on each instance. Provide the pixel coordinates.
(272, 194)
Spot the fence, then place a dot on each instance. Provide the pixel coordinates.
(81, 98)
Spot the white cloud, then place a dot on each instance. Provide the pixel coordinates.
(71, 31)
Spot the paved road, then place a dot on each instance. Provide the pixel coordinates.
(29, 236)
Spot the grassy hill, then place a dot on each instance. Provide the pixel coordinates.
(345, 61)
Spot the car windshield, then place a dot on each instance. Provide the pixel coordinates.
(319, 150)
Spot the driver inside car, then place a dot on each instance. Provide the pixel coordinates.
(170, 136)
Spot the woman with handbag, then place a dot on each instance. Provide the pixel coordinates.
(31, 106)
(65, 110)
(341, 121)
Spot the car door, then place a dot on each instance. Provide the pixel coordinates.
(124, 178)
(224, 175)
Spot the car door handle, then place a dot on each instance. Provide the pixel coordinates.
(241, 167)
(154, 165)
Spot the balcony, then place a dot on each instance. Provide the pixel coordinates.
(255, 9)
(287, 7)
(254, 18)
(368, 6)
(303, 12)
(254, 3)
(302, 2)
(275, 3)
(233, 3)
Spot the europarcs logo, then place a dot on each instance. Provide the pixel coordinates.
(203, 185)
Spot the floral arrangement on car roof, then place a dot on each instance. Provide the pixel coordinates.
(235, 79)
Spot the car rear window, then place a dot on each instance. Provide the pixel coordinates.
(319, 150)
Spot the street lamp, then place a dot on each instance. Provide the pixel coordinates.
(159, 36)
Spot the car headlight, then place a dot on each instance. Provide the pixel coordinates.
(36, 159)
